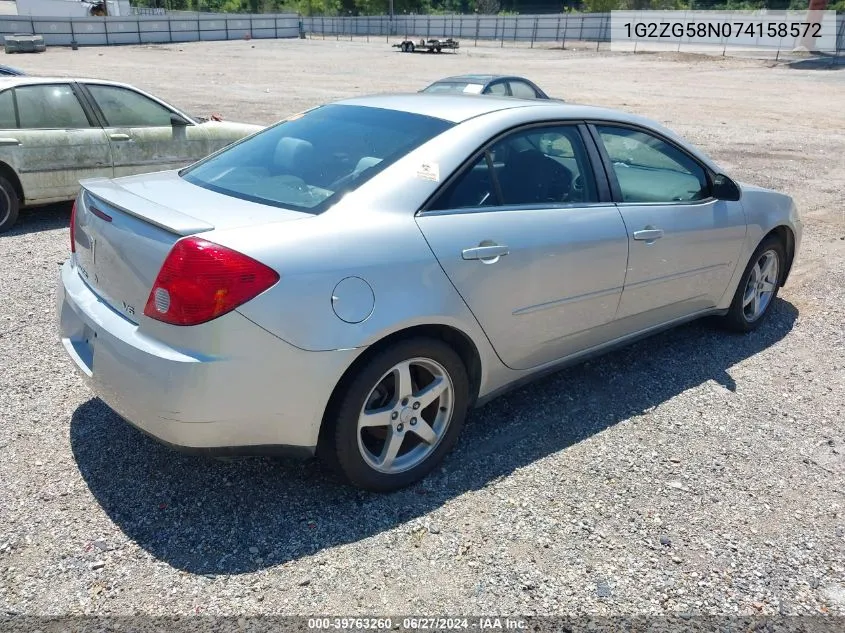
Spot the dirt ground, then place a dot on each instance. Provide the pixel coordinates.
(694, 473)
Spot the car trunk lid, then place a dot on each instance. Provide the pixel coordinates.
(125, 228)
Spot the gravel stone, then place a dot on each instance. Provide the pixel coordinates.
(539, 475)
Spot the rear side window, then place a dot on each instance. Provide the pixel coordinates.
(50, 106)
(522, 90)
(307, 163)
(498, 89)
(539, 166)
(7, 111)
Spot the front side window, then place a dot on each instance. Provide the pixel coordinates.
(544, 166)
(309, 162)
(126, 108)
(649, 169)
(50, 106)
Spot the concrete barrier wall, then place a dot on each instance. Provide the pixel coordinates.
(151, 29)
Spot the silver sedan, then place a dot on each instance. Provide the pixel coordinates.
(352, 280)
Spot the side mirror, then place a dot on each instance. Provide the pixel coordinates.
(725, 189)
(177, 121)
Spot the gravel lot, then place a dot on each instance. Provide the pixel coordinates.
(696, 472)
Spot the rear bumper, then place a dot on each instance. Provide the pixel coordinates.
(244, 391)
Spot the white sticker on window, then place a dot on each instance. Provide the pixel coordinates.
(473, 88)
(429, 171)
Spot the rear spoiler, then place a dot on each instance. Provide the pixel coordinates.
(167, 218)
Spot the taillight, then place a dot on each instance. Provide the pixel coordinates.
(73, 228)
(200, 281)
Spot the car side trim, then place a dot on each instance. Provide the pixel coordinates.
(537, 373)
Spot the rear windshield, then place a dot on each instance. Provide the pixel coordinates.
(455, 86)
(308, 163)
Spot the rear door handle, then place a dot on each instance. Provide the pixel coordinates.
(120, 137)
(648, 234)
(492, 252)
(9, 141)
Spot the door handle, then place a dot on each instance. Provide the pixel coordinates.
(485, 253)
(9, 141)
(649, 235)
(120, 137)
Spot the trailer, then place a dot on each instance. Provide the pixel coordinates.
(428, 46)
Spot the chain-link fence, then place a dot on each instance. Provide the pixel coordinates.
(568, 30)
(152, 29)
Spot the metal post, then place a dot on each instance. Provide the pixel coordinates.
(601, 32)
(106, 28)
(557, 31)
(565, 29)
(534, 34)
(477, 26)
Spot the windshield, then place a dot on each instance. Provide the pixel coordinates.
(306, 163)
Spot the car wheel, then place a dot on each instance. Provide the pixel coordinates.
(399, 417)
(757, 288)
(9, 205)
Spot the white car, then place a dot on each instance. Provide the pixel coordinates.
(56, 131)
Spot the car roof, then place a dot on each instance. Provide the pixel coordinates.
(11, 82)
(457, 108)
(474, 78)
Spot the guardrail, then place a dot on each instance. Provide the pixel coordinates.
(151, 29)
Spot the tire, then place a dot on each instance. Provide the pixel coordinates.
(742, 316)
(360, 453)
(9, 205)
(410, 47)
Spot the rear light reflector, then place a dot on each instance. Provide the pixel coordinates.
(73, 228)
(200, 281)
